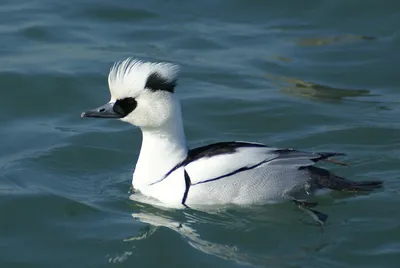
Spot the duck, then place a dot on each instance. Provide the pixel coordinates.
(226, 172)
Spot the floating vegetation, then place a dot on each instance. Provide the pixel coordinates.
(312, 90)
(332, 40)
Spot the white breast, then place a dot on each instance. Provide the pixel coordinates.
(169, 191)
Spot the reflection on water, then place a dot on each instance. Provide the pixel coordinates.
(183, 223)
(185, 227)
(224, 232)
(312, 90)
(193, 238)
(332, 40)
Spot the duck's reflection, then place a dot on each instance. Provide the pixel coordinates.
(183, 222)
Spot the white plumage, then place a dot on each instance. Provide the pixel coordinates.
(142, 93)
(128, 77)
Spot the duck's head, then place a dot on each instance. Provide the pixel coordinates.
(141, 94)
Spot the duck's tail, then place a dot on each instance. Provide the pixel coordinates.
(322, 178)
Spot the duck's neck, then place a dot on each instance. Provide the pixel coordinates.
(161, 150)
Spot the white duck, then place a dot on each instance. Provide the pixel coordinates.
(142, 94)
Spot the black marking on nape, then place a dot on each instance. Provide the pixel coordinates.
(125, 106)
(156, 82)
(187, 187)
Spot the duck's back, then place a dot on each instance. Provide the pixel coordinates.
(245, 173)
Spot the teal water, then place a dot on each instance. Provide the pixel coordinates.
(315, 75)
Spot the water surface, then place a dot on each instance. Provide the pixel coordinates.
(315, 75)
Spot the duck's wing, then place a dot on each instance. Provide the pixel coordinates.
(219, 160)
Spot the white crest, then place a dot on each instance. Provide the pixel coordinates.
(127, 78)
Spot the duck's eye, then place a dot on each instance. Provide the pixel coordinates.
(125, 106)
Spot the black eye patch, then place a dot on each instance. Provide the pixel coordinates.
(125, 106)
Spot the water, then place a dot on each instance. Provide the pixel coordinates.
(316, 75)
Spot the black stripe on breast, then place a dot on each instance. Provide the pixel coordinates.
(235, 171)
(187, 187)
(211, 150)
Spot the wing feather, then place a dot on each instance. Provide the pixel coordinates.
(220, 160)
